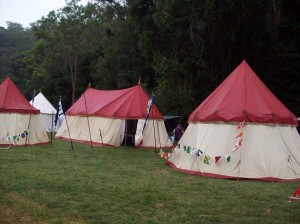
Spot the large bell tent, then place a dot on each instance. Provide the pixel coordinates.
(113, 117)
(20, 122)
(240, 131)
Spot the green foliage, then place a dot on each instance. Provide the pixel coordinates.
(54, 184)
(13, 42)
(182, 50)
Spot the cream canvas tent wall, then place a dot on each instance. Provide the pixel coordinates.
(240, 131)
(102, 117)
(20, 122)
(47, 111)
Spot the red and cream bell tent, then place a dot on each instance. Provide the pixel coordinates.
(240, 131)
(20, 122)
(104, 117)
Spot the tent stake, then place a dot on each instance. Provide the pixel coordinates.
(101, 137)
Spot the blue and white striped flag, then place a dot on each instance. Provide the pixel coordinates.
(149, 106)
(150, 103)
(59, 111)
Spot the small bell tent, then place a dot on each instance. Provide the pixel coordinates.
(110, 117)
(240, 131)
(48, 112)
(20, 122)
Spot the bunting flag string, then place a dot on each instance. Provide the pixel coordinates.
(199, 153)
(240, 125)
(207, 159)
(217, 158)
(240, 134)
(228, 157)
(15, 137)
(164, 155)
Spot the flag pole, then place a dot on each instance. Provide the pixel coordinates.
(29, 120)
(153, 123)
(87, 117)
(57, 118)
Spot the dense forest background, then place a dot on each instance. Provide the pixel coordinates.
(181, 49)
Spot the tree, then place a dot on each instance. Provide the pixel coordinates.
(13, 40)
(66, 39)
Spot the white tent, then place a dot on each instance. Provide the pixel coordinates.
(48, 112)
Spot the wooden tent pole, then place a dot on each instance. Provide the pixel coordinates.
(28, 132)
(125, 132)
(87, 117)
(69, 132)
(51, 135)
(158, 133)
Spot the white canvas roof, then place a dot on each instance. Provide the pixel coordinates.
(40, 102)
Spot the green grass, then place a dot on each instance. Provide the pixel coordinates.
(54, 184)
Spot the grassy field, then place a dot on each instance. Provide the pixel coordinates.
(54, 184)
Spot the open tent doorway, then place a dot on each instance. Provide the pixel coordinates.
(171, 123)
(128, 132)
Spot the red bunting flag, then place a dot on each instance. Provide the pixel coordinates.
(239, 143)
(240, 134)
(217, 158)
(240, 125)
(235, 148)
(296, 193)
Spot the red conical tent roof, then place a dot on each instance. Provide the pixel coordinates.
(13, 101)
(130, 103)
(242, 96)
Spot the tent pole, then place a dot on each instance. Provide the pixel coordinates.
(29, 121)
(87, 117)
(158, 134)
(101, 137)
(51, 136)
(154, 135)
(69, 132)
(125, 132)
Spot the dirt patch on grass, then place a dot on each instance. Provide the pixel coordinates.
(12, 215)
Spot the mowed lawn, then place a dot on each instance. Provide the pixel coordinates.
(54, 184)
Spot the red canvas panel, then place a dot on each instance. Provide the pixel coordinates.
(13, 101)
(130, 103)
(242, 96)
